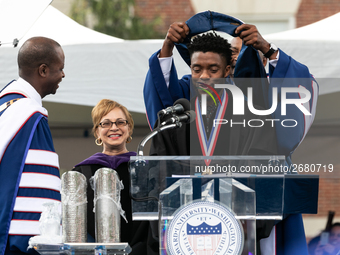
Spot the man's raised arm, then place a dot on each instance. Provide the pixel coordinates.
(162, 87)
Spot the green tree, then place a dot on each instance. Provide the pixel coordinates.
(114, 17)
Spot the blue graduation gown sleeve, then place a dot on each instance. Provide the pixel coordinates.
(290, 236)
(290, 73)
(157, 95)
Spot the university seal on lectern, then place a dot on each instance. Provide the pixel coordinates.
(204, 228)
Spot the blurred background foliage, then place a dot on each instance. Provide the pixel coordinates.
(116, 18)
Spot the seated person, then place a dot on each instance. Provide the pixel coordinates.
(333, 246)
(322, 246)
(112, 128)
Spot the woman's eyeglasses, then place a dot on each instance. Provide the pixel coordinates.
(118, 123)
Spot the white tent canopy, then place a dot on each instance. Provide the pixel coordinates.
(100, 66)
(317, 46)
(54, 24)
(97, 66)
(14, 21)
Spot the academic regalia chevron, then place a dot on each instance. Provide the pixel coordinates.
(29, 173)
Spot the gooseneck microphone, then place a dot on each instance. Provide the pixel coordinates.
(186, 117)
(180, 113)
(180, 106)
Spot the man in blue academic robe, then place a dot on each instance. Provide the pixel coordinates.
(29, 166)
(162, 88)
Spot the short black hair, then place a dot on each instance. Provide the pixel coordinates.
(211, 42)
(36, 51)
(336, 224)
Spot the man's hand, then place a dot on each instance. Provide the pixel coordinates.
(177, 32)
(251, 36)
(329, 248)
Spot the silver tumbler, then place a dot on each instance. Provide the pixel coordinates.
(74, 205)
(107, 187)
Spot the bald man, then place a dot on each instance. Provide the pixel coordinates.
(29, 166)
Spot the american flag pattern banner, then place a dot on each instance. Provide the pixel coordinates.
(204, 238)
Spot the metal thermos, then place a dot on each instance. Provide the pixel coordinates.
(107, 187)
(74, 205)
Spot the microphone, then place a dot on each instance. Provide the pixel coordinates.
(180, 106)
(173, 122)
(187, 117)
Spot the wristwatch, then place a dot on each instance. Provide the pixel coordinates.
(272, 49)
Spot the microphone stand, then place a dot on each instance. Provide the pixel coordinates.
(141, 154)
(138, 161)
(141, 145)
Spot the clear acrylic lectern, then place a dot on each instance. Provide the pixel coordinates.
(249, 187)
